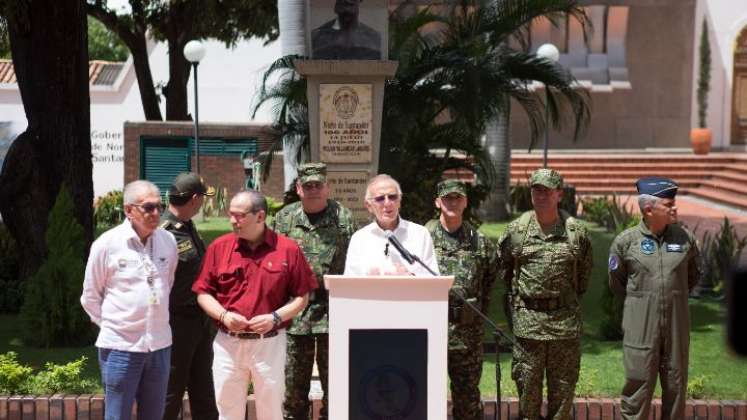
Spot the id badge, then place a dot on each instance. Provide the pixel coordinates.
(153, 298)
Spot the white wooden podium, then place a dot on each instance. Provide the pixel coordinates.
(388, 339)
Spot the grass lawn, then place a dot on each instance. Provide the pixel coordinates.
(714, 372)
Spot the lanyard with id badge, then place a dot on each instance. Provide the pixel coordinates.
(150, 274)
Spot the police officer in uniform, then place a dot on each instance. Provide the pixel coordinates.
(322, 228)
(192, 330)
(654, 266)
(471, 258)
(546, 263)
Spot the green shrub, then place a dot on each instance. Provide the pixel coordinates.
(63, 378)
(612, 313)
(109, 209)
(696, 386)
(11, 297)
(720, 253)
(521, 198)
(273, 206)
(51, 312)
(614, 216)
(16, 378)
(611, 213)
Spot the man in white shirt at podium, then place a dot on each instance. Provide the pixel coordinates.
(371, 253)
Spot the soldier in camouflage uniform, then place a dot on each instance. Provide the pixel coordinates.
(192, 330)
(654, 266)
(471, 258)
(546, 264)
(322, 228)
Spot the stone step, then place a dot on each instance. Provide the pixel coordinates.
(720, 196)
(640, 168)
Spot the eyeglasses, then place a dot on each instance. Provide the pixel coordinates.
(380, 199)
(149, 207)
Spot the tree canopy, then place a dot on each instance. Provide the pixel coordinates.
(177, 22)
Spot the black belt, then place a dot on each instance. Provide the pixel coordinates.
(250, 335)
(548, 304)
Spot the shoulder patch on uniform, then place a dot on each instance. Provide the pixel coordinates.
(165, 224)
(613, 262)
(184, 246)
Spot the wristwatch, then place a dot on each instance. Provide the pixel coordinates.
(276, 320)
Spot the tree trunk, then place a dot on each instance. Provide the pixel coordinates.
(176, 89)
(50, 55)
(498, 145)
(292, 25)
(148, 95)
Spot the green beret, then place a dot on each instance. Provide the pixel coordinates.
(451, 186)
(312, 172)
(550, 178)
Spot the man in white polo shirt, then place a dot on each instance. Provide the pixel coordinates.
(370, 253)
(128, 278)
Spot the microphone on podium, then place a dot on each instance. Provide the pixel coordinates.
(400, 248)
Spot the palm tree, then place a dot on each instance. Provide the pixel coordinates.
(497, 141)
(455, 75)
(292, 25)
(454, 79)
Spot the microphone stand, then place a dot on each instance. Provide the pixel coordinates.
(497, 333)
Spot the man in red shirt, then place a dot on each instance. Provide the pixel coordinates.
(252, 282)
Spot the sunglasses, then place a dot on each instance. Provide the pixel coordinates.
(380, 199)
(149, 207)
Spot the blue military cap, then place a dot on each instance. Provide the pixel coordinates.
(657, 186)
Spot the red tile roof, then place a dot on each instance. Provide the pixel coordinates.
(99, 72)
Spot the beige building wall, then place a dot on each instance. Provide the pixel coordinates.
(655, 111)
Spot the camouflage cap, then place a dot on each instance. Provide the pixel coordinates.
(448, 186)
(312, 172)
(188, 183)
(550, 178)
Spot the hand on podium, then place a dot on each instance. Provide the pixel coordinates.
(399, 270)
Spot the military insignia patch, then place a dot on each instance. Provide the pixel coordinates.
(674, 248)
(648, 246)
(184, 246)
(613, 262)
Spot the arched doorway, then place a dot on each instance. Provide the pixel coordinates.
(739, 91)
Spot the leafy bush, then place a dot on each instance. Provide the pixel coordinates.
(696, 386)
(612, 214)
(16, 378)
(273, 206)
(51, 313)
(615, 216)
(109, 209)
(612, 314)
(63, 378)
(11, 297)
(720, 253)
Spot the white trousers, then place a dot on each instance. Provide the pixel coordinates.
(238, 361)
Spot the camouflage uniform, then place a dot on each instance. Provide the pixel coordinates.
(325, 244)
(546, 276)
(655, 274)
(471, 258)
